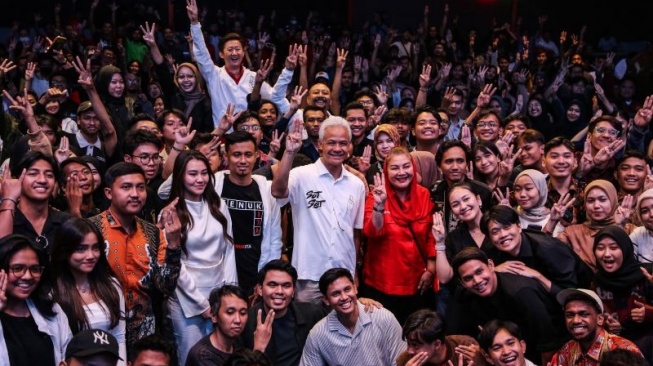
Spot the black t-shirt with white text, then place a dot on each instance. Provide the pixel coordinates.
(246, 209)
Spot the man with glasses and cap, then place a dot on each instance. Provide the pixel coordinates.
(92, 347)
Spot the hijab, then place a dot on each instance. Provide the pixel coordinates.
(389, 130)
(539, 211)
(570, 129)
(102, 81)
(417, 207)
(611, 192)
(191, 98)
(646, 194)
(426, 167)
(629, 274)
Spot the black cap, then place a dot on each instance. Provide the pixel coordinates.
(92, 342)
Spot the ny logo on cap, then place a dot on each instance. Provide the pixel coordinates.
(100, 337)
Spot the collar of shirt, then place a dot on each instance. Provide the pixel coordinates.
(595, 350)
(83, 143)
(322, 170)
(334, 324)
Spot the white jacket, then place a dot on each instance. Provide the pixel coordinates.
(57, 328)
(271, 244)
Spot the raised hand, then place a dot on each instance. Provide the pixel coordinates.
(364, 161)
(63, 152)
(263, 332)
(648, 275)
(264, 70)
(171, 224)
(481, 73)
(263, 39)
(302, 58)
(11, 188)
(425, 76)
(607, 152)
(485, 95)
(611, 323)
(29, 71)
(418, 360)
(643, 116)
(624, 210)
(229, 118)
(438, 228)
(148, 34)
(85, 76)
(358, 64)
(184, 135)
(504, 199)
(507, 164)
(74, 196)
(586, 160)
(637, 314)
(648, 183)
(470, 171)
(448, 97)
(341, 59)
(191, 9)
(275, 142)
(377, 116)
(6, 66)
(466, 136)
(297, 97)
(294, 138)
(381, 95)
(559, 208)
(378, 192)
(20, 104)
(291, 60)
(504, 144)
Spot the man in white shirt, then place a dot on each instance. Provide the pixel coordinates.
(327, 205)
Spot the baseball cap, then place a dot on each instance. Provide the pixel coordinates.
(590, 295)
(84, 107)
(322, 74)
(92, 342)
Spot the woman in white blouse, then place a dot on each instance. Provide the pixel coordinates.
(84, 285)
(208, 258)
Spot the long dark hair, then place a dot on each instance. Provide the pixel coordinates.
(210, 195)
(102, 284)
(12, 244)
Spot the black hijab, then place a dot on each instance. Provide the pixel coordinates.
(629, 274)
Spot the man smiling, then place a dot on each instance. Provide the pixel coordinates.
(489, 294)
(583, 311)
(374, 338)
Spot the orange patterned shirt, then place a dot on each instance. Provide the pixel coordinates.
(571, 354)
(143, 265)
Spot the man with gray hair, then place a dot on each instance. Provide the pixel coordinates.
(327, 206)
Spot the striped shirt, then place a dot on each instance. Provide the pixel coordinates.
(376, 341)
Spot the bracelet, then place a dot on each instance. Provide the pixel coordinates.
(379, 210)
(440, 248)
(423, 89)
(175, 149)
(34, 133)
(9, 199)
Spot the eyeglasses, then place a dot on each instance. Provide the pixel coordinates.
(611, 131)
(366, 102)
(488, 124)
(250, 128)
(19, 270)
(145, 159)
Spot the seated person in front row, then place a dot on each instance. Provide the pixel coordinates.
(584, 319)
(503, 344)
(488, 294)
(427, 344)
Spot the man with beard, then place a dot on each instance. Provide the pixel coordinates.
(327, 206)
(584, 318)
(144, 259)
(292, 319)
(229, 314)
(374, 338)
(233, 82)
(489, 294)
(142, 148)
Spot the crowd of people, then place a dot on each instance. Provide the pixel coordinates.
(204, 197)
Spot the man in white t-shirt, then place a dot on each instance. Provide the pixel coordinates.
(327, 206)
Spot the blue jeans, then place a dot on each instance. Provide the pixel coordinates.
(188, 331)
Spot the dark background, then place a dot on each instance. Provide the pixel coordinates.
(626, 19)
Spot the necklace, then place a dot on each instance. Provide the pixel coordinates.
(83, 289)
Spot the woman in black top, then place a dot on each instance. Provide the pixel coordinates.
(33, 328)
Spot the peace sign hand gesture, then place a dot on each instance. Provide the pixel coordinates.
(148, 34)
(275, 142)
(294, 138)
(184, 135)
(503, 199)
(228, 119)
(644, 115)
(263, 331)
